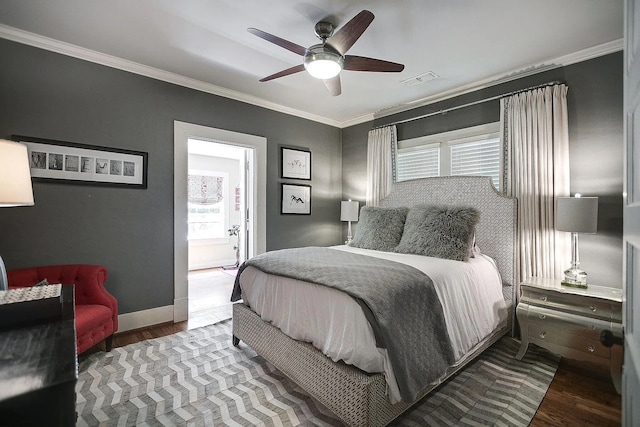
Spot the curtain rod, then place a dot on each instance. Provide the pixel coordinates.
(470, 104)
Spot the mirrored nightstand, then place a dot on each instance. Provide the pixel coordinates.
(568, 321)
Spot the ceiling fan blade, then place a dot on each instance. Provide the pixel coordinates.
(350, 32)
(362, 63)
(333, 85)
(295, 48)
(292, 70)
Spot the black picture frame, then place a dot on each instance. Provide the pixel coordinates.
(73, 163)
(295, 199)
(295, 163)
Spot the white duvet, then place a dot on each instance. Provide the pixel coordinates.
(470, 294)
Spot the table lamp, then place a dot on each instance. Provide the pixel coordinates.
(349, 212)
(576, 215)
(15, 185)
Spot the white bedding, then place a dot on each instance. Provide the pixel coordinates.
(470, 294)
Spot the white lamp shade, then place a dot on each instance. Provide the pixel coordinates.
(15, 178)
(577, 214)
(349, 211)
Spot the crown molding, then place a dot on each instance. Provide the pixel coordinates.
(68, 49)
(561, 61)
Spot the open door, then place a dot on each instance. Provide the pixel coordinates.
(631, 234)
(248, 204)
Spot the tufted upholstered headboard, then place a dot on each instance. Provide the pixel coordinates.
(496, 232)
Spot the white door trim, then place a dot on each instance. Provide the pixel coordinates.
(182, 132)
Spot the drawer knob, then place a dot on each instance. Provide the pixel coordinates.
(542, 316)
(592, 308)
(608, 339)
(591, 348)
(543, 334)
(543, 298)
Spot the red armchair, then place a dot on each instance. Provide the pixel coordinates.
(96, 309)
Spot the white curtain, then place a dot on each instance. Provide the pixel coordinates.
(379, 164)
(536, 171)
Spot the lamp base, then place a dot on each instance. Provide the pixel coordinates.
(575, 278)
(574, 285)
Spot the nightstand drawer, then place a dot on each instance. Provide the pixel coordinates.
(565, 338)
(584, 326)
(572, 304)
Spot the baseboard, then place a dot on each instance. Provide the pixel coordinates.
(144, 318)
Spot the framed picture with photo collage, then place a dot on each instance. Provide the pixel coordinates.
(85, 164)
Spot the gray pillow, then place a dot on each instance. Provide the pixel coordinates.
(379, 229)
(439, 231)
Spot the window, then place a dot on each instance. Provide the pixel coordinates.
(207, 204)
(470, 151)
(480, 156)
(418, 162)
(206, 222)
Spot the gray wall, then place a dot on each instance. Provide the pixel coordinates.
(130, 231)
(596, 148)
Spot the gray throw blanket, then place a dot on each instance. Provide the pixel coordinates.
(399, 301)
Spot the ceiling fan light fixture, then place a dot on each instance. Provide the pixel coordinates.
(322, 63)
(325, 60)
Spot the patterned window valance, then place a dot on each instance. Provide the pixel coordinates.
(205, 189)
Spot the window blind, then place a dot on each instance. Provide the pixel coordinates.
(420, 162)
(479, 157)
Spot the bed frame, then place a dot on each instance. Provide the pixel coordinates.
(356, 397)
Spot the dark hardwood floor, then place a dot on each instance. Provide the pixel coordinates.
(581, 393)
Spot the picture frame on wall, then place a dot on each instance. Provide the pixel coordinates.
(296, 163)
(296, 199)
(85, 164)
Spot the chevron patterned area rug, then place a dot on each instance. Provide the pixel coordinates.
(197, 378)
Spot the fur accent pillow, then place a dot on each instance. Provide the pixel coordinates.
(379, 229)
(439, 231)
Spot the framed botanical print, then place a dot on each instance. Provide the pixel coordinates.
(296, 199)
(296, 163)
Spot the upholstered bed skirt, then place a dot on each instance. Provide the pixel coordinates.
(356, 397)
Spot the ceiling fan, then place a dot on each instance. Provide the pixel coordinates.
(325, 60)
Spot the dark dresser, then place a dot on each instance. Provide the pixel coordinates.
(38, 363)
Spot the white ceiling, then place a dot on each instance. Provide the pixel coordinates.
(204, 44)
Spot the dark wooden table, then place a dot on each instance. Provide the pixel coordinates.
(39, 369)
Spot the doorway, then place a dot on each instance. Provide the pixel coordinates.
(219, 174)
(253, 208)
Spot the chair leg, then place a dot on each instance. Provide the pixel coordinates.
(108, 342)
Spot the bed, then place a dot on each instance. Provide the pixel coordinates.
(364, 391)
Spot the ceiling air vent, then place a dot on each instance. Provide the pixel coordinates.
(420, 78)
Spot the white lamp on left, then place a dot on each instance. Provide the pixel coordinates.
(349, 212)
(15, 184)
